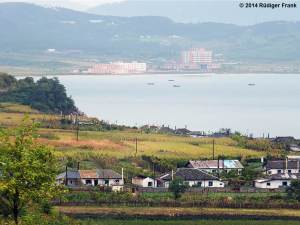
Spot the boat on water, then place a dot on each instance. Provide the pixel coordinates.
(251, 84)
(171, 80)
(176, 86)
(151, 84)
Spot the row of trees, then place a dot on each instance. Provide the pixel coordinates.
(45, 95)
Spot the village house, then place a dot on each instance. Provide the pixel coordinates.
(192, 177)
(100, 177)
(216, 166)
(276, 181)
(73, 178)
(282, 166)
(144, 181)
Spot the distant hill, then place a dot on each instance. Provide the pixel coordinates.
(195, 11)
(34, 29)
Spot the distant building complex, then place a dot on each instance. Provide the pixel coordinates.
(197, 56)
(198, 59)
(194, 59)
(118, 68)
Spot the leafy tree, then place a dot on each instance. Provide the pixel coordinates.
(27, 169)
(7, 81)
(294, 190)
(46, 95)
(177, 187)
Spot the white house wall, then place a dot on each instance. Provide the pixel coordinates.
(144, 182)
(101, 182)
(274, 184)
(204, 184)
(276, 171)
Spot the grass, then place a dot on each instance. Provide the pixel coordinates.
(16, 108)
(121, 144)
(187, 222)
(175, 212)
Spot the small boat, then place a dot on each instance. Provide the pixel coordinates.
(171, 80)
(176, 86)
(251, 84)
(150, 84)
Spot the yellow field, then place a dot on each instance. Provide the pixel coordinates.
(122, 143)
(152, 211)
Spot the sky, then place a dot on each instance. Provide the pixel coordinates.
(81, 4)
(74, 4)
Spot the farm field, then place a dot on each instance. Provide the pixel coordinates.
(188, 222)
(175, 212)
(120, 144)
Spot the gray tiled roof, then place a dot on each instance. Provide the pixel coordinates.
(70, 175)
(189, 174)
(284, 176)
(281, 164)
(108, 174)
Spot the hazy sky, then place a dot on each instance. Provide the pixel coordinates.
(85, 4)
(75, 4)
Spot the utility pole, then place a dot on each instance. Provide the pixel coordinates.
(77, 128)
(136, 146)
(213, 149)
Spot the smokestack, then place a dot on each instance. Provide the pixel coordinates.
(122, 174)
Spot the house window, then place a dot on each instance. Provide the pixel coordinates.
(150, 184)
(95, 182)
(89, 182)
(278, 171)
(106, 182)
(213, 171)
(210, 183)
(289, 171)
(117, 181)
(269, 172)
(284, 183)
(199, 184)
(268, 184)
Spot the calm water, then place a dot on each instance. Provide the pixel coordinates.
(202, 102)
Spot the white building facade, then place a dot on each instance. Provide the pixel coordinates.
(143, 181)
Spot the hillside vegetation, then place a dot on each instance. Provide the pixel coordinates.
(105, 147)
(45, 95)
(137, 37)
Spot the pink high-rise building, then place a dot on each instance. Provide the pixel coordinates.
(197, 56)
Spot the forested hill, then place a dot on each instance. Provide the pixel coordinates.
(29, 28)
(45, 95)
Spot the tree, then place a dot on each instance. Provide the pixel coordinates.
(7, 81)
(293, 190)
(45, 95)
(27, 169)
(178, 187)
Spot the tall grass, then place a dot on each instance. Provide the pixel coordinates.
(187, 222)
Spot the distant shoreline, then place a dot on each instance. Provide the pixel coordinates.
(157, 73)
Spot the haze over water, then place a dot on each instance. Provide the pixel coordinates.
(202, 102)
